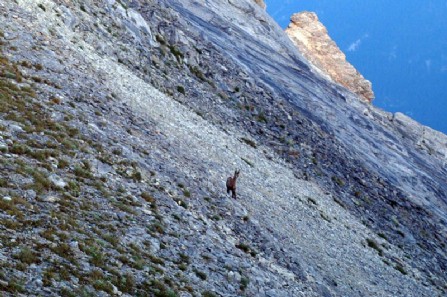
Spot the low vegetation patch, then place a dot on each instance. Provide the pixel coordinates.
(337, 180)
(181, 89)
(374, 245)
(202, 275)
(247, 249)
(27, 256)
(250, 142)
(401, 269)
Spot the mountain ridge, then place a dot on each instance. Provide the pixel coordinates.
(164, 116)
(312, 39)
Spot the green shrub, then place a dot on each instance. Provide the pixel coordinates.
(150, 199)
(208, 294)
(200, 274)
(261, 118)
(74, 188)
(374, 245)
(160, 39)
(82, 171)
(64, 251)
(156, 260)
(176, 52)
(97, 258)
(113, 239)
(244, 247)
(382, 235)
(401, 269)
(14, 286)
(249, 142)
(197, 72)
(42, 155)
(137, 176)
(187, 193)
(126, 283)
(103, 285)
(244, 283)
(340, 182)
(157, 227)
(41, 182)
(181, 89)
(19, 149)
(27, 256)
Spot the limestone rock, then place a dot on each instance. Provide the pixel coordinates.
(425, 138)
(57, 181)
(312, 39)
(261, 3)
(7, 198)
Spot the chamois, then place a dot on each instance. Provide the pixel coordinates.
(231, 184)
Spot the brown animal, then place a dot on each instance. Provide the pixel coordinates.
(231, 184)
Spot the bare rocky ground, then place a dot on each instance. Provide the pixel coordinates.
(120, 121)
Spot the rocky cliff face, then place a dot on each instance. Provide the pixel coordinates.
(121, 120)
(312, 40)
(261, 3)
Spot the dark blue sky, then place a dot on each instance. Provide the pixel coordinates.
(400, 46)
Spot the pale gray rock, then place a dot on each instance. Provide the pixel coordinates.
(7, 198)
(57, 181)
(50, 198)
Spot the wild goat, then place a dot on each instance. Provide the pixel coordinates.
(231, 184)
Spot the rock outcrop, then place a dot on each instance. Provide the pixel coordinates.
(261, 3)
(312, 39)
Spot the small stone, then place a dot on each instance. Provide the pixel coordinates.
(53, 161)
(30, 194)
(116, 291)
(230, 275)
(39, 282)
(57, 181)
(103, 168)
(237, 277)
(50, 198)
(147, 211)
(74, 245)
(7, 198)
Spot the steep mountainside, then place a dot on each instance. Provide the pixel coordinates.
(121, 120)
